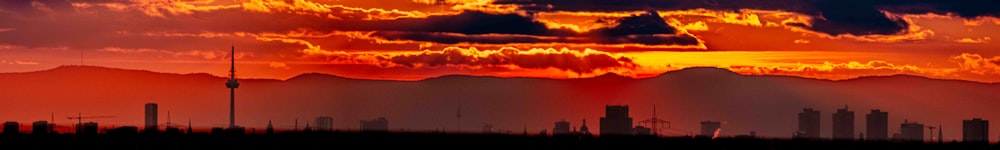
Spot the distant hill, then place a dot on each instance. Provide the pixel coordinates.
(765, 104)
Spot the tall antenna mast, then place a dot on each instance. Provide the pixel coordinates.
(232, 84)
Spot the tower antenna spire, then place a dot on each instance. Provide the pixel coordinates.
(232, 84)
(232, 59)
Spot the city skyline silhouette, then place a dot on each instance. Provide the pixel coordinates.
(705, 74)
(859, 126)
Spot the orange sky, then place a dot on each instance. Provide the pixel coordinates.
(411, 40)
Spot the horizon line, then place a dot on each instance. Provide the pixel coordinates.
(513, 77)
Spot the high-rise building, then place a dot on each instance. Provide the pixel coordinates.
(877, 125)
(89, 128)
(708, 128)
(377, 124)
(808, 124)
(616, 121)
(151, 117)
(843, 124)
(911, 131)
(40, 127)
(975, 130)
(270, 128)
(11, 127)
(561, 128)
(324, 123)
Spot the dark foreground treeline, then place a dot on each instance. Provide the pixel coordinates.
(354, 140)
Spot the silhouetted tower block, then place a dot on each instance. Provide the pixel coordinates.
(152, 111)
(975, 130)
(270, 128)
(640, 130)
(378, 124)
(324, 123)
(616, 121)
(877, 125)
(124, 131)
(911, 131)
(708, 128)
(843, 124)
(40, 127)
(89, 128)
(808, 124)
(11, 127)
(561, 128)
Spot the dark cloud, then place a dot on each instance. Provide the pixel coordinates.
(647, 28)
(855, 17)
(647, 23)
(95, 26)
(638, 5)
(574, 61)
(470, 22)
(860, 17)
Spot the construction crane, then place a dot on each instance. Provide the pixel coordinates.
(79, 119)
(654, 122)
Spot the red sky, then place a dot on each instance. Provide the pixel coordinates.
(410, 40)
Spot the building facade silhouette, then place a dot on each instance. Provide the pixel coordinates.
(324, 123)
(616, 121)
(877, 125)
(843, 124)
(911, 131)
(378, 124)
(152, 123)
(11, 127)
(975, 130)
(808, 124)
(708, 128)
(40, 127)
(561, 128)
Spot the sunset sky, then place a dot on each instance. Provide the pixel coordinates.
(419, 39)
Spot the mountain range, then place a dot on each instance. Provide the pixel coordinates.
(765, 104)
